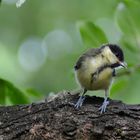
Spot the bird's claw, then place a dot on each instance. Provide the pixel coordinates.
(79, 102)
(103, 106)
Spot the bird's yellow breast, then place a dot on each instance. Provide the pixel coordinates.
(90, 66)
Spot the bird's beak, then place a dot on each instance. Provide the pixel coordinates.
(123, 64)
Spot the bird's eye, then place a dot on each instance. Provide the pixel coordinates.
(117, 55)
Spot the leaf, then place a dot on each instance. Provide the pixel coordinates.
(130, 47)
(123, 19)
(2, 93)
(131, 2)
(118, 86)
(130, 94)
(128, 21)
(8, 90)
(34, 93)
(91, 34)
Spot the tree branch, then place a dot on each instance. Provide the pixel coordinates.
(57, 119)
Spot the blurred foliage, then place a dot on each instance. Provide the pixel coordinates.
(62, 30)
(92, 35)
(10, 94)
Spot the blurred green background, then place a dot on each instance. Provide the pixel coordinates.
(41, 41)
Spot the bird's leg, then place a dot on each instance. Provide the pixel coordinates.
(80, 100)
(105, 103)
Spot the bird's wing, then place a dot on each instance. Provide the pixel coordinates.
(90, 53)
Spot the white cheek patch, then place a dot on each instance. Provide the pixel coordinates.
(114, 58)
(110, 56)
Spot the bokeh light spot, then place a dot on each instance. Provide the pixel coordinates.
(19, 3)
(58, 43)
(10, 1)
(32, 54)
(121, 6)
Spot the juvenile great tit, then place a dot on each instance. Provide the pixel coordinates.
(95, 69)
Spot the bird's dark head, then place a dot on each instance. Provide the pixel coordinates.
(117, 51)
(116, 57)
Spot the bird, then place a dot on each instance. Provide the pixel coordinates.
(95, 69)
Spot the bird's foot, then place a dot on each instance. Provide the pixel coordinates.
(104, 106)
(79, 102)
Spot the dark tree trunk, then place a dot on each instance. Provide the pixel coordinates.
(57, 119)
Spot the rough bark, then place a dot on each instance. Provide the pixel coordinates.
(57, 119)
